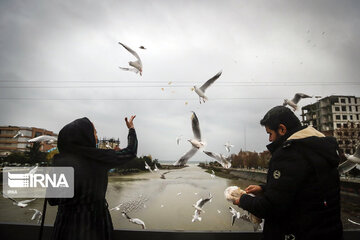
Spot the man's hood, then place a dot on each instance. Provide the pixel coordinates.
(312, 139)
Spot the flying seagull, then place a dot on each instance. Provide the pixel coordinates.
(293, 102)
(219, 158)
(351, 162)
(135, 66)
(228, 146)
(22, 203)
(195, 142)
(18, 134)
(198, 207)
(117, 208)
(155, 168)
(44, 138)
(201, 90)
(147, 167)
(235, 215)
(36, 213)
(135, 220)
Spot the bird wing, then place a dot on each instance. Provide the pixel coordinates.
(183, 160)
(130, 69)
(43, 138)
(346, 166)
(203, 201)
(213, 155)
(131, 51)
(195, 126)
(210, 81)
(6, 196)
(27, 201)
(298, 96)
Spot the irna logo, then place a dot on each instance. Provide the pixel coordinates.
(37, 180)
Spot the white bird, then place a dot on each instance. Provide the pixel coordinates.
(33, 170)
(117, 208)
(351, 162)
(155, 168)
(198, 207)
(18, 134)
(201, 90)
(178, 139)
(213, 174)
(235, 215)
(147, 167)
(135, 220)
(200, 203)
(178, 194)
(44, 138)
(353, 222)
(228, 146)
(256, 222)
(195, 142)
(163, 174)
(137, 65)
(219, 158)
(37, 213)
(293, 102)
(218, 211)
(22, 203)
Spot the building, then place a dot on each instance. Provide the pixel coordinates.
(337, 116)
(9, 144)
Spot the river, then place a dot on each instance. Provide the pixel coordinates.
(166, 204)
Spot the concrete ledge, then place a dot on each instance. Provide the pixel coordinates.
(13, 231)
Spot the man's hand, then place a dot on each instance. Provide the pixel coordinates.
(130, 123)
(254, 189)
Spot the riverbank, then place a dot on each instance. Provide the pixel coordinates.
(349, 186)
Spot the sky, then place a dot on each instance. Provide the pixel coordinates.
(59, 61)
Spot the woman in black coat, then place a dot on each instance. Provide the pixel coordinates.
(86, 215)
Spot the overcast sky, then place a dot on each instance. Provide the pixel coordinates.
(267, 50)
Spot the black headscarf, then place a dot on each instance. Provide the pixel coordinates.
(78, 138)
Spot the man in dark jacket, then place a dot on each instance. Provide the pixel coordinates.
(301, 198)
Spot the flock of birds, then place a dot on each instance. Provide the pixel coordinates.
(196, 144)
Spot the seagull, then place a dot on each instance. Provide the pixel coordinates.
(353, 222)
(351, 162)
(293, 102)
(21, 204)
(117, 208)
(137, 65)
(44, 138)
(196, 142)
(218, 211)
(257, 222)
(219, 158)
(198, 207)
(135, 220)
(33, 170)
(200, 203)
(37, 212)
(235, 215)
(213, 174)
(163, 175)
(201, 91)
(178, 139)
(147, 167)
(18, 134)
(228, 146)
(156, 168)
(142, 47)
(178, 194)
